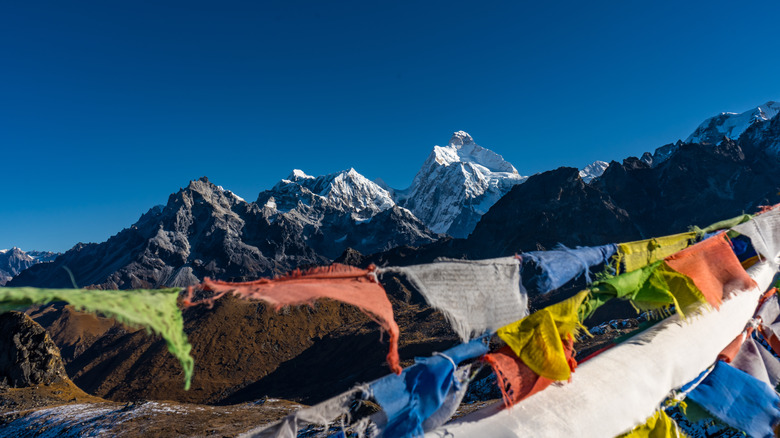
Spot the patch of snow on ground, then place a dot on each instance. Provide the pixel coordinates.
(77, 420)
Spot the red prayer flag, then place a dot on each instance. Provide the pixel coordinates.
(347, 284)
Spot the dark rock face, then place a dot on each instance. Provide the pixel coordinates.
(28, 356)
(696, 185)
(205, 231)
(550, 208)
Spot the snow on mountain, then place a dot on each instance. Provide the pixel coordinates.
(593, 170)
(343, 210)
(346, 191)
(457, 184)
(42, 256)
(732, 125)
(231, 194)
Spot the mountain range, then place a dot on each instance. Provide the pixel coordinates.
(14, 260)
(204, 230)
(462, 191)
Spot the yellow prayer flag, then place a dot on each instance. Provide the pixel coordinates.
(660, 425)
(635, 255)
(537, 338)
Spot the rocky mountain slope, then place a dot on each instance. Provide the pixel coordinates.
(37, 398)
(244, 350)
(14, 260)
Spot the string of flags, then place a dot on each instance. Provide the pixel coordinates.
(621, 387)
(695, 284)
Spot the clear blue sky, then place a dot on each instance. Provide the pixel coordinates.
(107, 107)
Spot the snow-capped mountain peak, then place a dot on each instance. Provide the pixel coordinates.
(298, 174)
(348, 191)
(457, 184)
(732, 125)
(351, 190)
(340, 210)
(593, 170)
(463, 149)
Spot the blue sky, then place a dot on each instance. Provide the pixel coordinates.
(107, 107)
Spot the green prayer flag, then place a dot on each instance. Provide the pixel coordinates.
(653, 287)
(156, 310)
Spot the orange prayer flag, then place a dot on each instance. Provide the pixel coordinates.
(713, 267)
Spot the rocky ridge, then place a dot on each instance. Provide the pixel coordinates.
(206, 231)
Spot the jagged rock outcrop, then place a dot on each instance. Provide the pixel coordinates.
(28, 357)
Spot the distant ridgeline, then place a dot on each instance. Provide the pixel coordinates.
(706, 358)
(14, 260)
